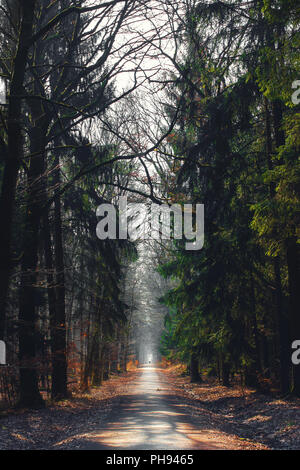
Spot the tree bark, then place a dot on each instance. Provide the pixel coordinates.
(225, 374)
(14, 152)
(293, 262)
(194, 369)
(59, 346)
(29, 392)
(283, 336)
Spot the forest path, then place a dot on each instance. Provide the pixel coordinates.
(152, 416)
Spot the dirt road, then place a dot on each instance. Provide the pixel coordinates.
(150, 416)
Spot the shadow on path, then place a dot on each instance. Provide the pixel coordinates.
(150, 417)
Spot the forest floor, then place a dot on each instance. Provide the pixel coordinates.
(266, 419)
(149, 406)
(42, 429)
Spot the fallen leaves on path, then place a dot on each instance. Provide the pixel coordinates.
(42, 429)
(265, 419)
(233, 418)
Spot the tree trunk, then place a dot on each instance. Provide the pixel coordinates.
(225, 374)
(126, 344)
(293, 261)
(29, 392)
(97, 373)
(265, 356)
(284, 348)
(194, 369)
(106, 368)
(283, 338)
(59, 346)
(88, 364)
(14, 152)
(50, 278)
